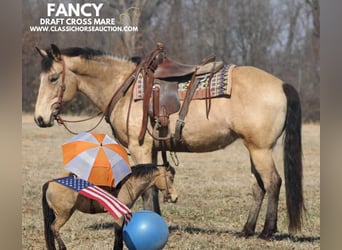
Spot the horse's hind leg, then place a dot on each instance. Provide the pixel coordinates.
(268, 180)
(60, 220)
(61, 245)
(258, 192)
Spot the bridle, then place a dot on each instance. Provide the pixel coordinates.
(58, 104)
(167, 188)
(62, 89)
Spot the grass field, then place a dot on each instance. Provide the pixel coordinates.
(214, 195)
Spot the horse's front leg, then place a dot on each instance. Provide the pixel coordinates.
(151, 197)
(118, 241)
(151, 200)
(145, 154)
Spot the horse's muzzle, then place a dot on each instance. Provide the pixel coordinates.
(40, 122)
(170, 199)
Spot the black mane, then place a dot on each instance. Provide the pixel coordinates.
(141, 170)
(86, 53)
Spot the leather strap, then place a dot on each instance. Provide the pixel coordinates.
(148, 81)
(149, 65)
(185, 107)
(156, 96)
(119, 93)
(207, 93)
(188, 97)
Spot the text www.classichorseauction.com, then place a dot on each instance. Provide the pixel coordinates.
(81, 18)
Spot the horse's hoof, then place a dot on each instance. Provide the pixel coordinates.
(265, 235)
(245, 234)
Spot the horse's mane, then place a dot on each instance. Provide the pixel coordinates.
(85, 53)
(142, 170)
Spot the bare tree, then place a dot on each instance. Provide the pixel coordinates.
(129, 13)
(294, 9)
(253, 31)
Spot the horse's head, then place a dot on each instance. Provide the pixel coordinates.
(165, 183)
(57, 85)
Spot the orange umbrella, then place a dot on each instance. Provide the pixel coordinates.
(96, 158)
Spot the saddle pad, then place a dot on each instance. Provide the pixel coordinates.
(220, 85)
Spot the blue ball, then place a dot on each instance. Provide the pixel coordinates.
(147, 230)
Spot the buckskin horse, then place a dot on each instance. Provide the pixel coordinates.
(259, 110)
(60, 202)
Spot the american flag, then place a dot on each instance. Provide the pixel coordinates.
(115, 207)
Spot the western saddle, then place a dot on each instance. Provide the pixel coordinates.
(161, 77)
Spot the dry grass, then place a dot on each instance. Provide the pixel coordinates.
(214, 196)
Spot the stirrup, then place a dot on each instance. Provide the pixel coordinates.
(155, 132)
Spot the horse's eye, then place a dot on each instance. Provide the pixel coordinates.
(53, 78)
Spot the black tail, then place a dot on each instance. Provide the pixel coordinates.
(49, 218)
(293, 167)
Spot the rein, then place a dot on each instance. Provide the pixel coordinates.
(168, 194)
(63, 122)
(167, 167)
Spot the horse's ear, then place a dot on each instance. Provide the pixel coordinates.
(43, 53)
(56, 53)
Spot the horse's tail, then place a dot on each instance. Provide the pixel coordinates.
(49, 218)
(293, 167)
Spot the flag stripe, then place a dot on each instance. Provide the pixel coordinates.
(89, 192)
(110, 209)
(108, 199)
(119, 205)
